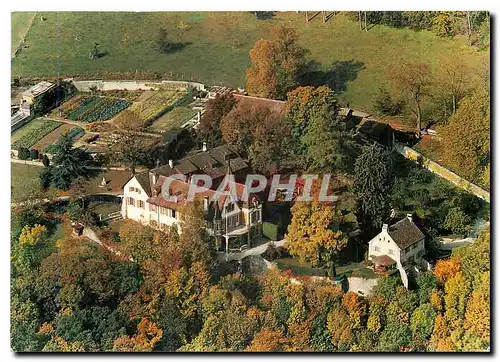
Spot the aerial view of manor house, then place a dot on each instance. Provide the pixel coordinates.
(253, 181)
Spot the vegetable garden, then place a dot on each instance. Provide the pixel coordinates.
(93, 108)
(153, 104)
(33, 134)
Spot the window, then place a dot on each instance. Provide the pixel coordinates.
(163, 211)
(153, 223)
(230, 207)
(376, 248)
(153, 208)
(131, 201)
(131, 189)
(391, 252)
(173, 213)
(140, 204)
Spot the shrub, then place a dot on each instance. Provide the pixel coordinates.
(270, 230)
(34, 154)
(457, 221)
(46, 161)
(386, 105)
(24, 153)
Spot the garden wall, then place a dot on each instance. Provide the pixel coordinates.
(85, 85)
(434, 167)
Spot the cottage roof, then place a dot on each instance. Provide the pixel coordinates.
(38, 89)
(405, 233)
(213, 162)
(383, 260)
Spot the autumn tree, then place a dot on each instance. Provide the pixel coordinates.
(466, 136)
(257, 131)
(373, 179)
(414, 79)
(313, 234)
(266, 341)
(275, 64)
(147, 336)
(217, 108)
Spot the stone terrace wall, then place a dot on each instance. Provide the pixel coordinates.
(103, 85)
(434, 167)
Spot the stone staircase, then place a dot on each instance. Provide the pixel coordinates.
(113, 216)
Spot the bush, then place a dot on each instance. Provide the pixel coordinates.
(24, 153)
(34, 154)
(46, 161)
(386, 105)
(457, 221)
(270, 230)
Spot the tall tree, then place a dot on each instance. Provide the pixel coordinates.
(275, 64)
(217, 108)
(320, 140)
(373, 179)
(313, 234)
(68, 163)
(466, 136)
(454, 80)
(413, 78)
(131, 150)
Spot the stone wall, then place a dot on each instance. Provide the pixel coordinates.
(85, 85)
(443, 172)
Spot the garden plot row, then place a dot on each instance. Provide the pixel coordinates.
(152, 104)
(33, 132)
(93, 108)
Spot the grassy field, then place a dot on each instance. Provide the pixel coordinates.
(21, 21)
(25, 183)
(213, 47)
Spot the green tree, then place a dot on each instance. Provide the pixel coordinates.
(68, 163)
(422, 320)
(373, 179)
(457, 221)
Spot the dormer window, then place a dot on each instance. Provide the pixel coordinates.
(230, 207)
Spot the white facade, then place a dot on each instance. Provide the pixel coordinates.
(136, 207)
(383, 244)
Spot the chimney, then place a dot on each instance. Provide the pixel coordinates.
(385, 227)
(204, 149)
(199, 116)
(171, 163)
(153, 175)
(410, 217)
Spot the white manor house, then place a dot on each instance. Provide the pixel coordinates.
(143, 200)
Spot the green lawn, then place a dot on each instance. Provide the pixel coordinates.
(24, 181)
(21, 21)
(213, 47)
(173, 119)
